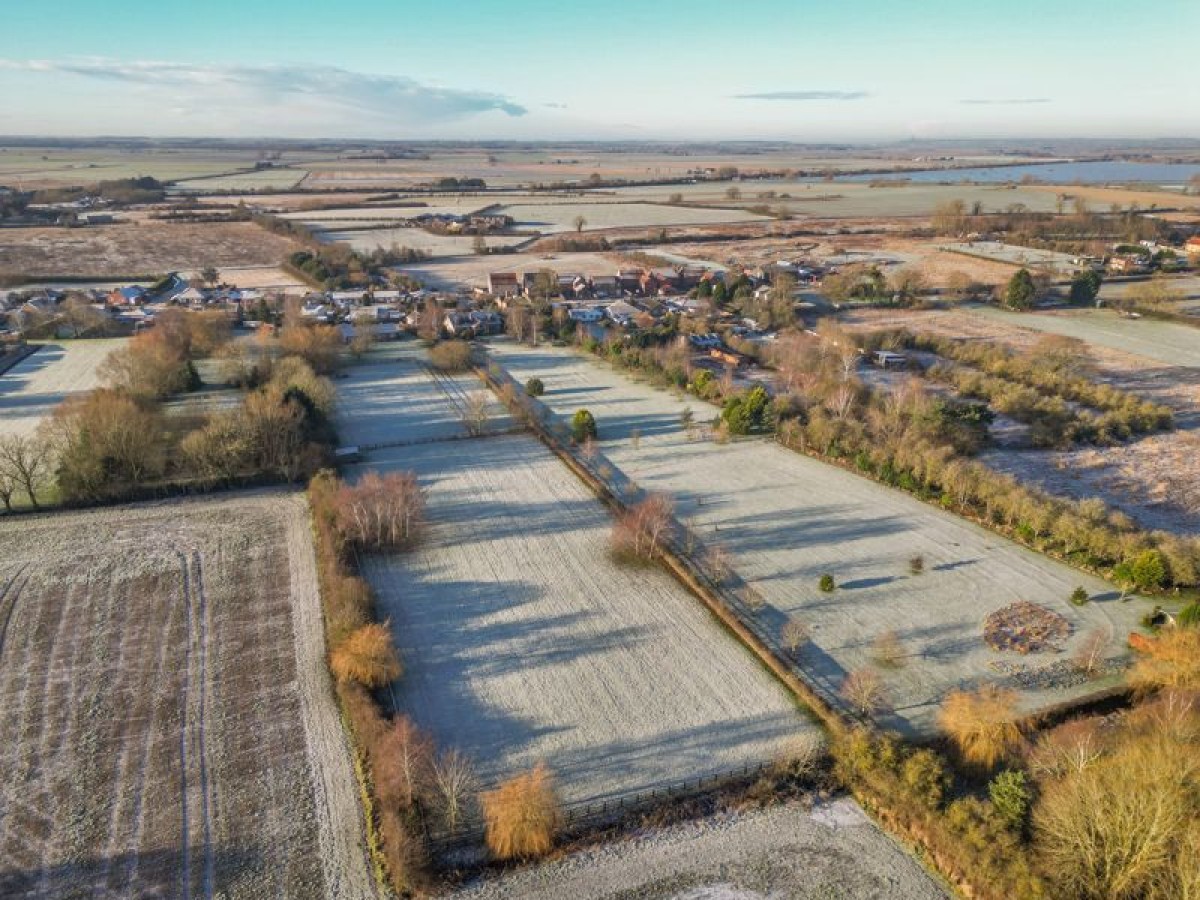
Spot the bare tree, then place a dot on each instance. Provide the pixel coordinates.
(8, 487)
(455, 782)
(863, 690)
(795, 634)
(381, 510)
(1089, 658)
(475, 413)
(580, 223)
(403, 764)
(26, 462)
(640, 530)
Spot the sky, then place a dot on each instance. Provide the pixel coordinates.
(834, 70)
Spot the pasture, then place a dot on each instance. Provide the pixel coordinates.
(560, 217)
(368, 239)
(393, 397)
(523, 641)
(31, 389)
(167, 725)
(787, 519)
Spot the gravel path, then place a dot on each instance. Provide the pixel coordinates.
(831, 851)
(31, 389)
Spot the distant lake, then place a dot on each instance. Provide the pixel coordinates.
(1056, 173)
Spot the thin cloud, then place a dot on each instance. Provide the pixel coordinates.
(1005, 101)
(393, 96)
(804, 95)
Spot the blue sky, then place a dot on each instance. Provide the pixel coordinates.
(653, 69)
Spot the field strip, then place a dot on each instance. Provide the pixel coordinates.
(335, 787)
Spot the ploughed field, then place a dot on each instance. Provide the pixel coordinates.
(788, 519)
(523, 641)
(167, 727)
(31, 389)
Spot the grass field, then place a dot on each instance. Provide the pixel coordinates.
(393, 397)
(146, 247)
(167, 727)
(523, 641)
(1164, 342)
(560, 217)
(827, 850)
(31, 389)
(261, 180)
(817, 199)
(788, 519)
(417, 239)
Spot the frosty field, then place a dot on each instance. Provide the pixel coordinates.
(556, 217)
(787, 519)
(393, 397)
(31, 389)
(523, 641)
(167, 725)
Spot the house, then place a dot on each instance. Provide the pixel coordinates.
(606, 286)
(705, 341)
(1126, 265)
(503, 284)
(586, 314)
(486, 321)
(191, 296)
(629, 280)
(621, 313)
(1192, 246)
(127, 296)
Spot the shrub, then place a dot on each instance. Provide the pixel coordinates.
(1189, 616)
(1145, 572)
(534, 387)
(1010, 796)
(1169, 660)
(367, 656)
(450, 356)
(916, 565)
(983, 725)
(583, 426)
(888, 650)
(1079, 596)
(522, 815)
(826, 583)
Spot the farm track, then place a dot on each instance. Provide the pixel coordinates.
(9, 596)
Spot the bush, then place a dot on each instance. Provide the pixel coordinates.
(534, 387)
(583, 426)
(826, 583)
(916, 565)
(1079, 596)
(1010, 796)
(983, 725)
(450, 356)
(367, 656)
(522, 815)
